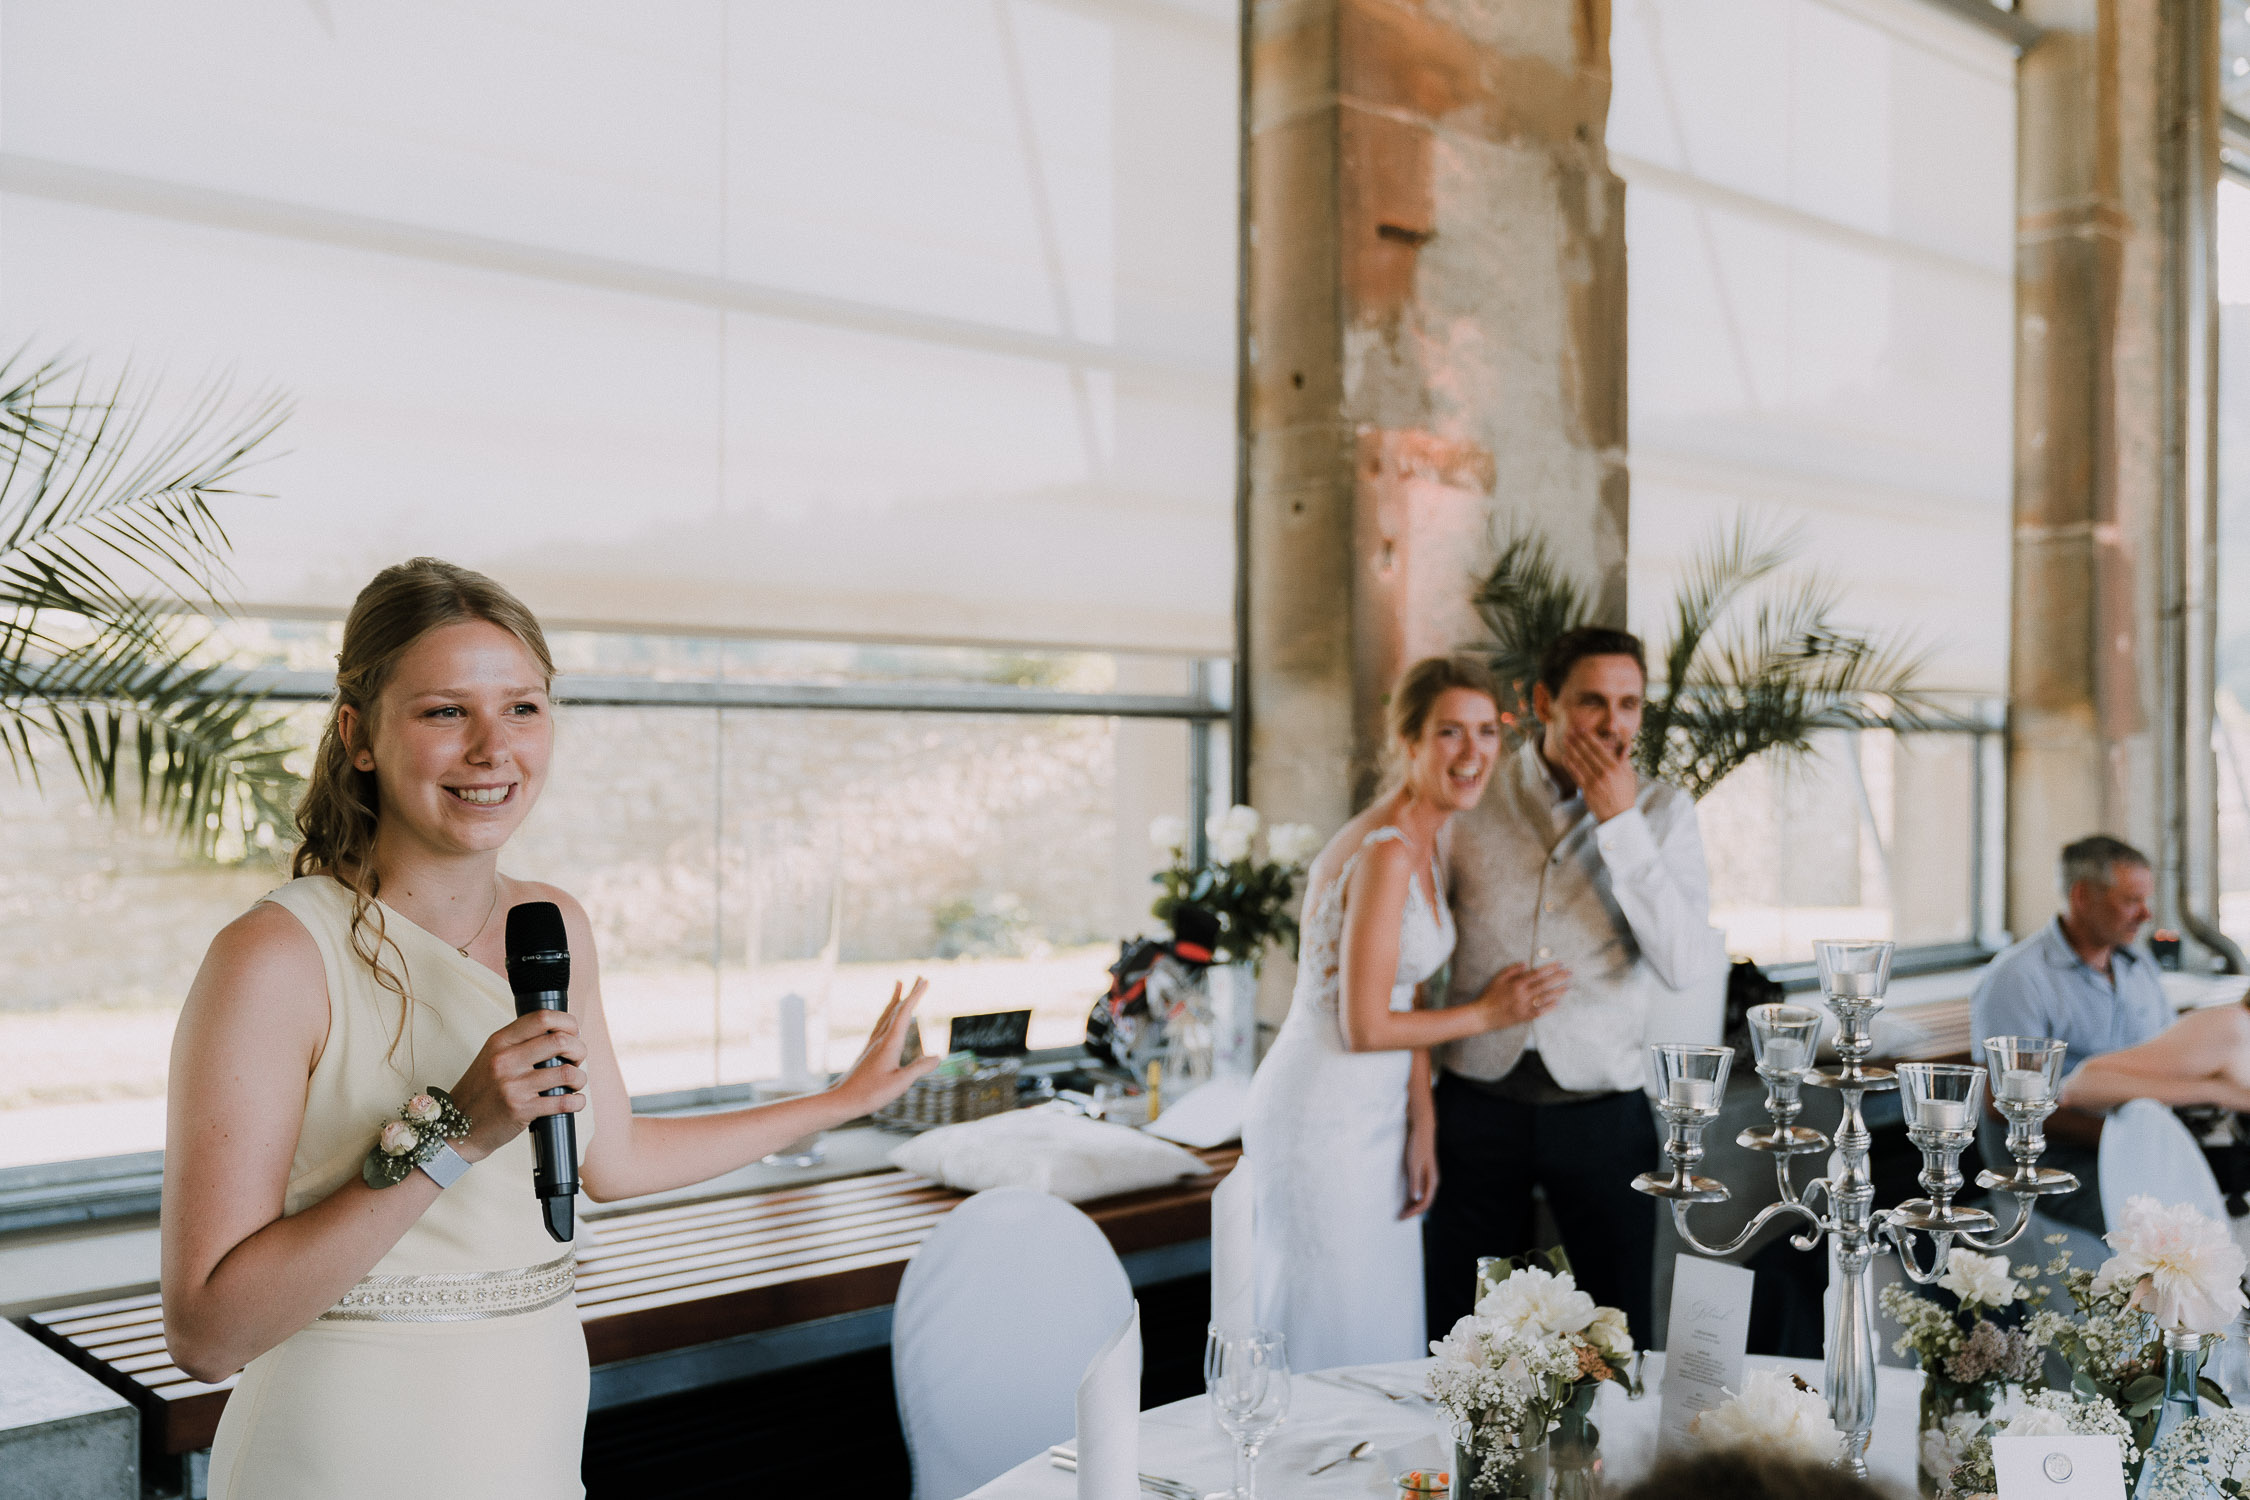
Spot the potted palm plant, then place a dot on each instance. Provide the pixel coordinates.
(1754, 663)
(112, 563)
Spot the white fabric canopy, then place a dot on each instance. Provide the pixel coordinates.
(1820, 214)
(903, 318)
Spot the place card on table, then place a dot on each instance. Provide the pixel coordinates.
(2058, 1468)
(1703, 1343)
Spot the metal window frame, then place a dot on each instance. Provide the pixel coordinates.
(48, 1195)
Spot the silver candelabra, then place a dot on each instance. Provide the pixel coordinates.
(1942, 1102)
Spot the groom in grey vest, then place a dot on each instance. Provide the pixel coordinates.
(1572, 858)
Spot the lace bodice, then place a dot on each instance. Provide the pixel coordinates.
(1425, 939)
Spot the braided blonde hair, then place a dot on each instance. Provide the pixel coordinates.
(342, 805)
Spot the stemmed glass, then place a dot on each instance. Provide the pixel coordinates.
(1247, 1374)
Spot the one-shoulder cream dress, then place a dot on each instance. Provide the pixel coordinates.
(457, 1367)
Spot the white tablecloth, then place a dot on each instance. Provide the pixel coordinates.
(1183, 1440)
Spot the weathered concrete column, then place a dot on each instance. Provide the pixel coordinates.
(1437, 316)
(2109, 673)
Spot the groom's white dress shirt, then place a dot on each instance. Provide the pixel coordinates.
(1624, 905)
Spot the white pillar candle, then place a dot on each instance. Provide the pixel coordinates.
(1784, 1054)
(2023, 1085)
(1943, 1114)
(1693, 1093)
(796, 1068)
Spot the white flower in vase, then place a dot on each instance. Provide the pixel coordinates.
(1231, 832)
(1292, 843)
(1772, 1412)
(1979, 1279)
(2185, 1270)
(1609, 1333)
(1168, 833)
(1538, 1304)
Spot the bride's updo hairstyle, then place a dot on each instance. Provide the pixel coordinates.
(337, 816)
(1419, 688)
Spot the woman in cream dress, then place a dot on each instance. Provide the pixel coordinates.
(1341, 1125)
(412, 1339)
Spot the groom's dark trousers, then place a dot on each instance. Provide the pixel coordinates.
(1583, 1151)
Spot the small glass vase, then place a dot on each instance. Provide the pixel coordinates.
(2183, 1364)
(1567, 1466)
(1941, 1401)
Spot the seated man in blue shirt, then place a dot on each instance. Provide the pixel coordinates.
(2080, 980)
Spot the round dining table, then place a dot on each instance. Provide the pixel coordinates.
(1329, 1414)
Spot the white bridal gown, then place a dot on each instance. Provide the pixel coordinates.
(1339, 1273)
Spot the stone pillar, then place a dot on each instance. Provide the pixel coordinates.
(2110, 616)
(1437, 322)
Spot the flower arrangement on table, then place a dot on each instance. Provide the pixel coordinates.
(2134, 1345)
(1775, 1411)
(1249, 896)
(1968, 1359)
(1525, 1364)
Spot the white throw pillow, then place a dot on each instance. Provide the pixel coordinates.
(1051, 1148)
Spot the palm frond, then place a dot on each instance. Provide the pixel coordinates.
(1751, 665)
(1525, 601)
(108, 545)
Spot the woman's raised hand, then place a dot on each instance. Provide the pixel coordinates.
(1520, 993)
(879, 1077)
(503, 1091)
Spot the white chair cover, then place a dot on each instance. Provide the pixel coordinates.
(997, 1317)
(2146, 1150)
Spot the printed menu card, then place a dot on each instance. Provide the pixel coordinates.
(1703, 1343)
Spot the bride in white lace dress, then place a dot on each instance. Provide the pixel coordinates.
(1341, 1125)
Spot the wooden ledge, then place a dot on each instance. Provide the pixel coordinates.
(654, 1280)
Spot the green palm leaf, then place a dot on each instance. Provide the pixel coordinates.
(110, 556)
(1752, 664)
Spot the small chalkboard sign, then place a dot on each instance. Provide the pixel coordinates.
(1004, 1033)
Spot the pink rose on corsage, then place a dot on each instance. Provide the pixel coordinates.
(399, 1138)
(423, 1110)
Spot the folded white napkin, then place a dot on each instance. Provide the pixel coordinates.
(1109, 1418)
(1234, 1276)
(1211, 1115)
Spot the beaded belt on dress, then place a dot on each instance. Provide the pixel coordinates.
(457, 1296)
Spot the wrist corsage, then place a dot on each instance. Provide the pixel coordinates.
(424, 1124)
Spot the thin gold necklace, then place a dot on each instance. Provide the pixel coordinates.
(463, 948)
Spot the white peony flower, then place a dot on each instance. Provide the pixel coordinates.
(2186, 1270)
(423, 1110)
(1243, 819)
(1169, 833)
(1292, 843)
(1609, 1334)
(1538, 1304)
(1979, 1279)
(1771, 1413)
(399, 1138)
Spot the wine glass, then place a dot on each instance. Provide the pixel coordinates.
(1246, 1373)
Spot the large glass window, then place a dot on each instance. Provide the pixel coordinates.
(850, 387)
(1820, 216)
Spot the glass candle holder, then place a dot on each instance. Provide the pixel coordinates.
(1691, 1080)
(1941, 1099)
(2026, 1071)
(1854, 969)
(1783, 1037)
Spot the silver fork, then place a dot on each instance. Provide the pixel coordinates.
(1066, 1458)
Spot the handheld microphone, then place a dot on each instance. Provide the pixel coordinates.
(539, 973)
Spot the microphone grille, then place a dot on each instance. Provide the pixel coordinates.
(538, 946)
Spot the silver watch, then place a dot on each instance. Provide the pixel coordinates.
(446, 1167)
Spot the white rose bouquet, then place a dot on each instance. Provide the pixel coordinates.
(1250, 896)
(1527, 1363)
